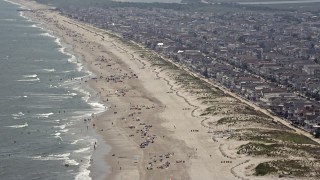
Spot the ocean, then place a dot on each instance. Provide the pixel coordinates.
(45, 106)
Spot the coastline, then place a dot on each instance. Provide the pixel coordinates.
(139, 95)
(86, 89)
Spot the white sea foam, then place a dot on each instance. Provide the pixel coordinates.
(44, 115)
(76, 141)
(98, 107)
(57, 157)
(82, 91)
(84, 172)
(30, 76)
(29, 80)
(64, 130)
(73, 59)
(73, 94)
(38, 60)
(19, 126)
(47, 35)
(52, 157)
(51, 86)
(18, 114)
(82, 150)
(61, 126)
(58, 41)
(71, 162)
(57, 135)
(49, 70)
(34, 26)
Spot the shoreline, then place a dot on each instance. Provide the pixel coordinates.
(149, 105)
(68, 50)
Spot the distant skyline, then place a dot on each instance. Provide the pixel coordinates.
(253, 2)
(279, 2)
(150, 1)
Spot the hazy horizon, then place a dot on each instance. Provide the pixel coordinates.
(151, 1)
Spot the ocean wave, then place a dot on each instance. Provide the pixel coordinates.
(18, 114)
(52, 157)
(47, 35)
(82, 150)
(19, 126)
(10, 98)
(34, 26)
(49, 70)
(44, 115)
(51, 86)
(98, 107)
(83, 170)
(38, 60)
(20, 5)
(61, 126)
(73, 59)
(29, 80)
(57, 157)
(52, 97)
(8, 19)
(57, 135)
(71, 162)
(76, 141)
(64, 130)
(73, 94)
(84, 92)
(30, 76)
(58, 41)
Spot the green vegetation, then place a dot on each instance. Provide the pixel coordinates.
(160, 62)
(245, 109)
(227, 120)
(259, 149)
(264, 169)
(279, 150)
(212, 110)
(123, 41)
(272, 136)
(296, 168)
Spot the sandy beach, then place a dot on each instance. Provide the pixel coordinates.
(161, 121)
